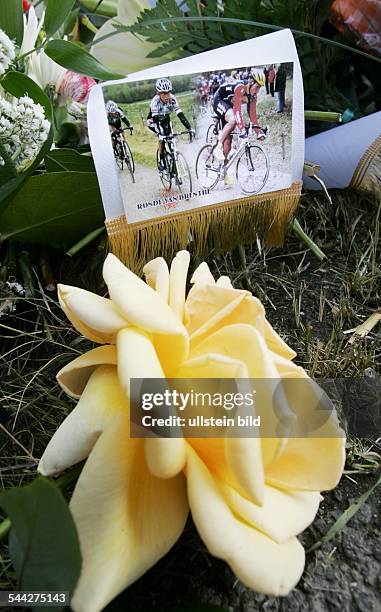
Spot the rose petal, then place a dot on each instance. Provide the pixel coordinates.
(202, 275)
(283, 514)
(211, 307)
(157, 276)
(276, 343)
(138, 302)
(177, 282)
(101, 400)
(224, 281)
(73, 377)
(314, 458)
(165, 457)
(261, 563)
(126, 518)
(137, 357)
(243, 342)
(95, 317)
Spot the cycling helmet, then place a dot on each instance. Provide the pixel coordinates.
(111, 106)
(259, 78)
(163, 85)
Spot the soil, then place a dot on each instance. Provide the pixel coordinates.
(345, 574)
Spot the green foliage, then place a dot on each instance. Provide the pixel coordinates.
(74, 57)
(190, 30)
(43, 541)
(11, 19)
(68, 159)
(56, 208)
(55, 14)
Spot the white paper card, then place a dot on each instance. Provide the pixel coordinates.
(173, 175)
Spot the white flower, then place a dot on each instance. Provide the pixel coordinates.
(44, 71)
(7, 52)
(32, 27)
(23, 130)
(124, 52)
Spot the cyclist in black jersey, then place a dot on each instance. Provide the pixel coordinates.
(227, 105)
(115, 117)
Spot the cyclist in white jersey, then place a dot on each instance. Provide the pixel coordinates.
(159, 116)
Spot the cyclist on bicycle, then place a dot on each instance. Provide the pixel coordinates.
(115, 117)
(227, 105)
(159, 116)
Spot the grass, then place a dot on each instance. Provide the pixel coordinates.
(309, 302)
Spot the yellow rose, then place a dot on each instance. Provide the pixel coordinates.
(249, 497)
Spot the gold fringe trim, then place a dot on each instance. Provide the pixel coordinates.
(220, 227)
(367, 176)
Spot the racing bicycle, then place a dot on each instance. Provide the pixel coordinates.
(176, 171)
(251, 159)
(214, 129)
(122, 152)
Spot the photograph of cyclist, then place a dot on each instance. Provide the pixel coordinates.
(227, 105)
(122, 152)
(159, 117)
(115, 117)
(201, 139)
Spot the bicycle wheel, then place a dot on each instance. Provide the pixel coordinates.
(129, 160)
(130, 156)
(208, 168)
(252, 170)
(119, 156)
(165, 175)
(183, 175)
(211, 135)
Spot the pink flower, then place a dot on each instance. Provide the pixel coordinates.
(76, 87)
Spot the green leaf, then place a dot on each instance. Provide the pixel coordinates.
(43, 541)
(8, 171)
(55, 15)
(19, 84)
(56, 208)
(73, 57)
(68, 159)
(343, 519)
(11, 19)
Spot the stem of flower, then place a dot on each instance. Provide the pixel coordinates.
(8, 161)
(307, 240)
(107, 8)
(85, 241)
(21, 57)
(4, 528)
(322, 116)
(88, 24)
